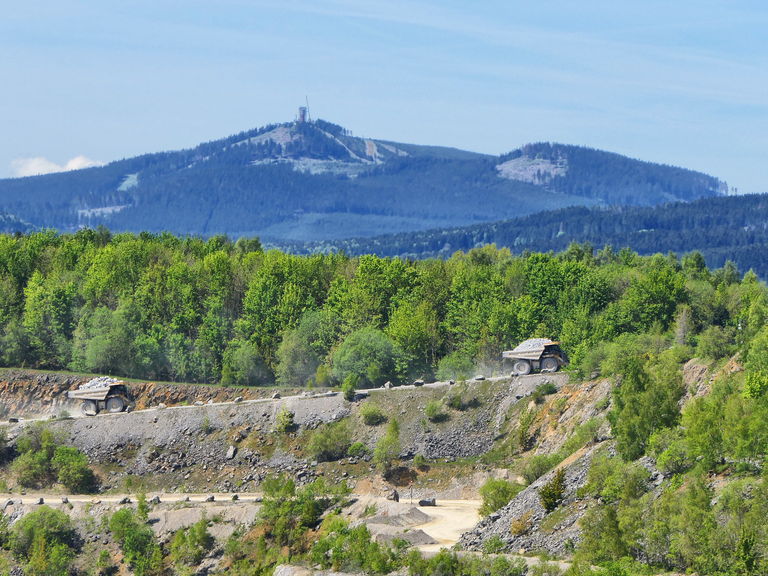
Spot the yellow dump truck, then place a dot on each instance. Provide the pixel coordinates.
(536, 354)
(102, 394)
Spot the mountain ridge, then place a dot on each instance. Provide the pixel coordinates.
(313, 181)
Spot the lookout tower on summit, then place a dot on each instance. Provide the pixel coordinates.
(304, 113)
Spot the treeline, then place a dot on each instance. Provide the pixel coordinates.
(726, 228)
(186, 309)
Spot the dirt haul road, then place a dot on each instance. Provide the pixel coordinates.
(451, 519)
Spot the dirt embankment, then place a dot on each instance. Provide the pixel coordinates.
(30, 394)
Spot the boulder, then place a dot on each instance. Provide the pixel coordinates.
(427, 502)
(418, 382)
(155, 500)
(125, 500)
(394, 496)
(276, 396)
(210, 498)
(238, 399)
(231, 451)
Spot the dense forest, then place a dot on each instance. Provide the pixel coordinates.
(182, 308)
(276, 181)
(185, 309)
(724, 228)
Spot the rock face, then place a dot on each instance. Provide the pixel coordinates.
(527, 512)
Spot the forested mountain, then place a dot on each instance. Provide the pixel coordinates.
(725, 228)
(303, 181)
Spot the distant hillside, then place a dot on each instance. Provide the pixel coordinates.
(727, 228)
(10, 224)
(301, 181)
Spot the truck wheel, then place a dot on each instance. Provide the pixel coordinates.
(89, 408)
(522, 367)
(114, 404)
(549, 365)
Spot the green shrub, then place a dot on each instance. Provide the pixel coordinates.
(371, 414)
(552, 493)
(358, 450)
(46, 526)
(388, 448)
(284, 421)
(494, 545)
(330, 442)
(137, 541)
(497, 493)
(349, 385)
(455, 402)
(419, 461)
(44, 459)
(547, 388)
(434, 411)
(670, 449)
(72, 466)
(716, 342)
(582, 435)
(755, 384)
(523, 433)
(191, 544)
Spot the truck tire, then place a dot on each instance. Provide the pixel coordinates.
(89, 408)
(549, 365)
(114, 404)
(522, 367)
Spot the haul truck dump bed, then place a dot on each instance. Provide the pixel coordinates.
(536, 354)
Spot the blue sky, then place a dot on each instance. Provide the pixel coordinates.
(682, 83)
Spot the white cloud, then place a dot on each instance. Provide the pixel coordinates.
(35, 166)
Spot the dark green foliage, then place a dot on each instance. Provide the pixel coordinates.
(496, 493)
(40, 533)
(552, 493)
(371, 414)
(643, 404)
(331, 442)
(358, 450)
(388, 447)
(137, 541)
(287, 512)
(348, 386)
(44, 459)
(367, 354)
(190, 545)
(73, 469)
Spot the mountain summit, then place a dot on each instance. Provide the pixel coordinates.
(313, 181)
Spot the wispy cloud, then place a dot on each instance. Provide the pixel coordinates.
(36, 166)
